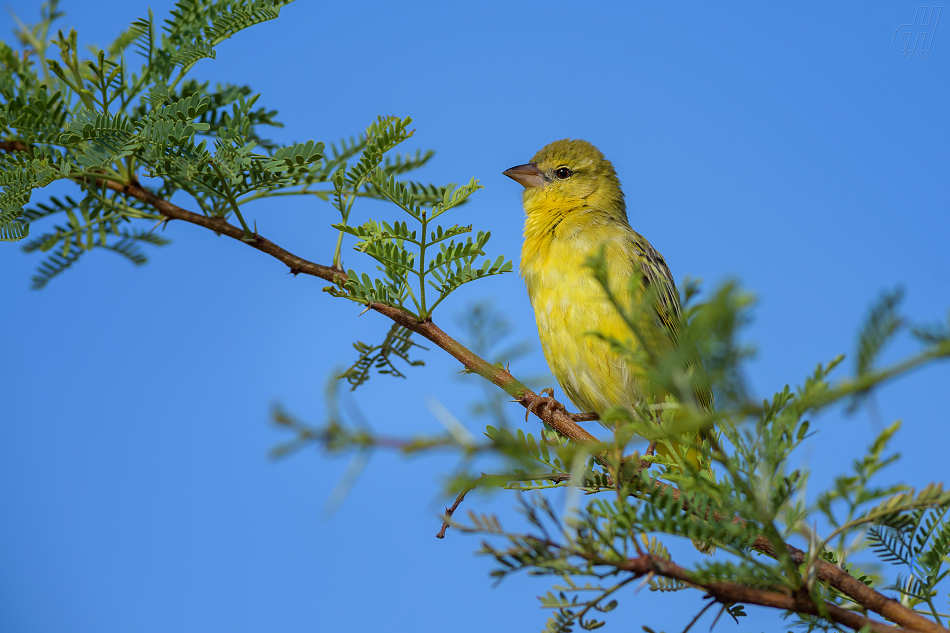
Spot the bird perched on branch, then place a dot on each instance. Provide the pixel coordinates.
(575, 208)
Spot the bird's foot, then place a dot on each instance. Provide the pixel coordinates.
(545, 399)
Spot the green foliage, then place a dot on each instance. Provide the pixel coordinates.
(400, 247)
(556, 460)
(380, 357)
(916, 537)
(742, 494)
(102, 124)
(881, 325)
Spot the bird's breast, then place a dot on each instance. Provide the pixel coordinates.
(569, 305)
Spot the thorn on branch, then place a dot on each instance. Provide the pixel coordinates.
(161, 223)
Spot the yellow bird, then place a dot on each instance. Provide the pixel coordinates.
(574, 208)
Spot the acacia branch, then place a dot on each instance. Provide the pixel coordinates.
(729, 592)
(836, 577)
(858, 591)
(547, 409)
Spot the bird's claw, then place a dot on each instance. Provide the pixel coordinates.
(546, 398)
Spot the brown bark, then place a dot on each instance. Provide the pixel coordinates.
(13, 146)
(728, 592)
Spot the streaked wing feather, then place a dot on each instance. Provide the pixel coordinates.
(668, 311)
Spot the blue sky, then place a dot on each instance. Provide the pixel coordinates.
(787, 145)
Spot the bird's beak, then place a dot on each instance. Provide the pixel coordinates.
(527, 175)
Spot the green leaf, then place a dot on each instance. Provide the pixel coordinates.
(13, 231)
(882, 323)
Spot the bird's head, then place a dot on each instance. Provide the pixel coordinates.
(568, 175)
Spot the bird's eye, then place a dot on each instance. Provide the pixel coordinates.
(563, 172)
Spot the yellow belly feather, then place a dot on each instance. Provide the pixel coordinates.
(568, 303)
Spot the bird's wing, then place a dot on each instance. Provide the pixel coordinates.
(656, 274)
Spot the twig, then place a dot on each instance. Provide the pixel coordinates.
(14, 146)
(450, 511)
(700, 614)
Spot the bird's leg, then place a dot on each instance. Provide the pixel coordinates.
(546, 398)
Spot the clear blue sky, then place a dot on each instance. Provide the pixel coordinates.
(788, 145)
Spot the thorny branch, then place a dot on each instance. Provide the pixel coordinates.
(833, 575)
(728, 592)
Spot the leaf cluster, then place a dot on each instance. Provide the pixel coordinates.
(112, 117)
(415, 253)
(396, 345)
